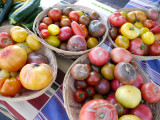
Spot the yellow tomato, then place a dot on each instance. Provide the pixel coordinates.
(129, 117)
(25, 47)
(92, 42)
(53, 40)
(130, 31)
(143, 30)
(148, 38)
(63, 16)
(124, 14)
(138, 25)
(32, 42)
(53, 29)
(80, 12)
(122, 41)
(18, 34)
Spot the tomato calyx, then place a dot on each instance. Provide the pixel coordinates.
(101, 115)
(80, 95)
(89, 91)
(131, 28)
(155, 90)
(36, 65)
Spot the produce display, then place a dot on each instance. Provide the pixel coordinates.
(112, 88)
(22, 68)
(71, 29)
(137, 31)
(20, 12)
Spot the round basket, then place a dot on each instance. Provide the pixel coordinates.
(137, 57)
(30, 94)
(73, 108)
(60, 52)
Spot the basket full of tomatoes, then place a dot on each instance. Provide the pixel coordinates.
(137, 30)
(109, 86)
(70, 30)
(27, 67)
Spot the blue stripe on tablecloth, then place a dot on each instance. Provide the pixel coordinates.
(54, 109)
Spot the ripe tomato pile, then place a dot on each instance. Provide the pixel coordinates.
(112, 88)
(136, 31)
(71, 30)
(22, 68)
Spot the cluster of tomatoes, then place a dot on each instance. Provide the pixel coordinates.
(71, 30)
(112, 87)
(21, 66)
(136, 31)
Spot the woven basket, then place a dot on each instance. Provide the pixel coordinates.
(60, 52)
(73, 108)
(30, 94)
(137, 57)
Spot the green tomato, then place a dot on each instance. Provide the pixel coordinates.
(53, 40)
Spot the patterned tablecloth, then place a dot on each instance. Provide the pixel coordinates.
(49, 106)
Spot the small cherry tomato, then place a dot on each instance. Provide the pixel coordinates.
(138, 25)
(90, 91)
(53, 40)
(55, 14)
(67, 10)
(53, 29)
(119, 108)
(44, 33)
(84, 20)
(80, 96)
(63, 46)
(154, 49)
(93, 15)
(93, 78)
(148, 24)
(98, 96)
(47, 20)
(92, 42)
(42, 26)
(74, 15)
(65, 22)
(80, 84)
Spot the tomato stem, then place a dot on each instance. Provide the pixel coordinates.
(36, 65)
(101, 115)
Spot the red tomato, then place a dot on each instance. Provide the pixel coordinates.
(44, 33)
(77, 30)
(142, 111)
(98, 56)
(136, 47)
(9, 87)
(139, 81)
(98, 109)
(115, 84)
(154, 49)
(47, 20)
(155, 23)
(155, 30)
(90, 91)
(80, 95)
(5, 39)
(42, 26)
(111, 98)
(93, 78)
(74, 15)
(65, 33)
(55, 14)
(116, 19)
(148, 24)
(150, 92)
(85, 30)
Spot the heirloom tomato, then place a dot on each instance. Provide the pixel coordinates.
(67, 10)
(74, 15)
(137, 47)
(93, 15)
(148, 24)
(55, 14)
(97, 96)
(9, 87)
(36, 76)
(90, 91)
(122, 41)
(65, 33)
(138, 25)
(47, 20)
(98, 56)
(129, 117)
(98, 109)
(116, 19)
(115, 84)
(65, 22)
(85, 30)
(44, 33)
(84, 20)
(119, 108)
(152, 14)
(113, 32)
(42, 26)
(5, 39)
(53, 40)
(130, 31)
(150, 92)
(154, 49)
(148, 38)
(53, 29)
(143, 112)
(93, 78)
(134, 16)
(143, 31)
(139, 81)
(12, 58)
(111, 98)
(92, 42)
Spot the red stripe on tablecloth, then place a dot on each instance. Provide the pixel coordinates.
(39, 102)
(12, 110)
(134, 3)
